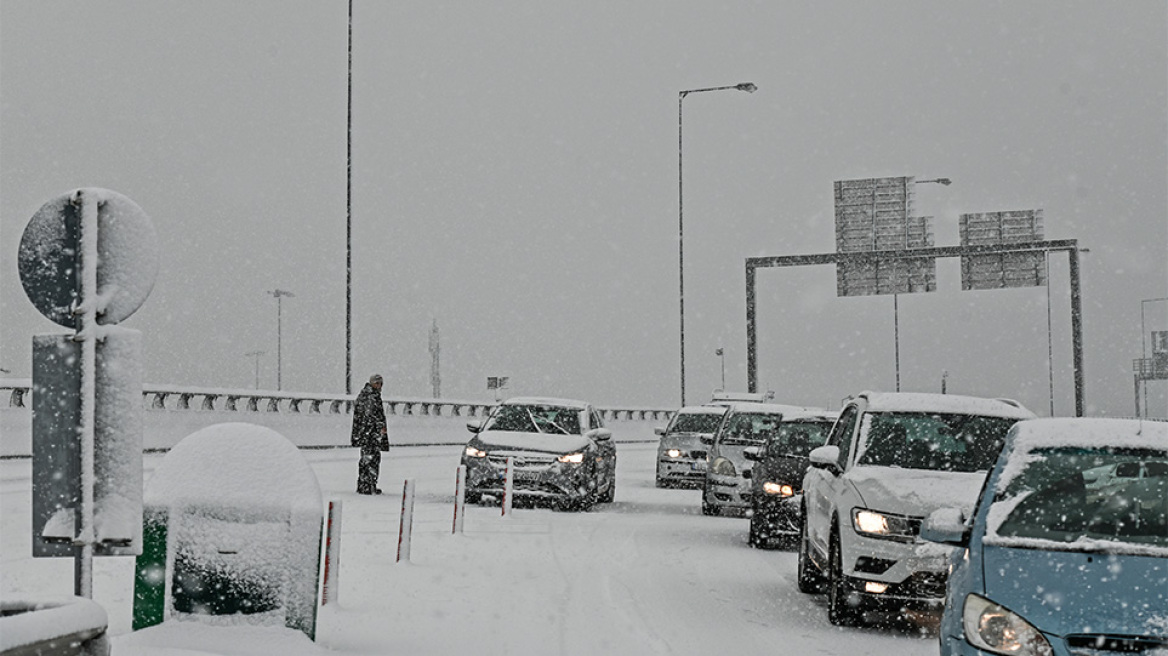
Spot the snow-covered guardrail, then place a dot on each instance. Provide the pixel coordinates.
(177, 397)
(71, 626)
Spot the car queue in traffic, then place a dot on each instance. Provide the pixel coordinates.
(1022, 535)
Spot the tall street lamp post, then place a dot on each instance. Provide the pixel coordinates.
(721, 353)
(279, 294)
(256, 355)
(748, 87)
(349, 222)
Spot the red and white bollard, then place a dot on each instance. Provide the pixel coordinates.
(508, 486)
(459, 499)
(406, 528)
(332, 554)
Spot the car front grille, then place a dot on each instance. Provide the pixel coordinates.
(500, 461)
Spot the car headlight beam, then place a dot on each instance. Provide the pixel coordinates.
(673, 453)
(995, 629)
(723, 467)
(780, 489)
(475, 453)
(882, 525)
(574, 458)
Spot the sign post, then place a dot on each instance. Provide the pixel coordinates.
(87, 260)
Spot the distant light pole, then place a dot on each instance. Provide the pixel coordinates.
(748, 87)
(896, 297)
(279, 294)
(722, 354)
(256, 355)
(349, 222)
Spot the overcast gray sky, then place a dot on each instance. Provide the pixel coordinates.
(515, 177)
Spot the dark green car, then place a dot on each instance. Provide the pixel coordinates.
(777, 476)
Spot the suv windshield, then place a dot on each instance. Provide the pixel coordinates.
(535, 419)
(797, 438)
(695, 423)
(750, 428)
(1059, 496)
(943, 442)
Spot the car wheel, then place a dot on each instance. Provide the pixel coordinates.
(707, 507)
(810, 580)
(839, 611)
(610, 493)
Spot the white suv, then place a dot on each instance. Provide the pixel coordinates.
(889, 461)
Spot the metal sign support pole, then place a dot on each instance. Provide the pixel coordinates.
(83, 561)
(1071, 246)
(1076, 329)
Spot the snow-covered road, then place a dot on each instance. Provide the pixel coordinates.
(647, 574)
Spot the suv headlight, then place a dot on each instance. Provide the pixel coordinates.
(574, 458)
(475, 453)
(781, 489)
(723, 467)
(880, 525)
(997, 630)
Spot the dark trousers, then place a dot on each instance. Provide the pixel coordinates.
(368, 469)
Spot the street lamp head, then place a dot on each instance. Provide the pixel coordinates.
(748, 87)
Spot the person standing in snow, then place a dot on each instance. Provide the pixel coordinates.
(369, 433)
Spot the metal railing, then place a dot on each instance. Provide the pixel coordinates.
(182, 398)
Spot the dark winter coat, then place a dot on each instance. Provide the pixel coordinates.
(369, 420)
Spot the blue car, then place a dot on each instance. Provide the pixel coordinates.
(1067, 550)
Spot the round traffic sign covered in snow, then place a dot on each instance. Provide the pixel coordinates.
(127, 254)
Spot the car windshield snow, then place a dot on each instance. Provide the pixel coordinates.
(798, 438)
(942, 442)
(1059, 496)
(558, 420)
(695, 423)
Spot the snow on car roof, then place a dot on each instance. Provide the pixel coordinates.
(945, 403)
(1078, 432)
(826, 415)
(1090, 431)
(703, 410)
(775, 408)
(542, 400)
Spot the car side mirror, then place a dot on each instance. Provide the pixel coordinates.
(659, 430)
(752, 453)
(474, 426)
(747, 473)
(946, 526)
(825, 457)
(706, 438)
(599, 434)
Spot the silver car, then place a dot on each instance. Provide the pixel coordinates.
(681, 455)
(725, 490)
(561, 451)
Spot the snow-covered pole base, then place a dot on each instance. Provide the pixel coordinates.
(405, 529)
(332, 554)
(459, 499)
(508, 486)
